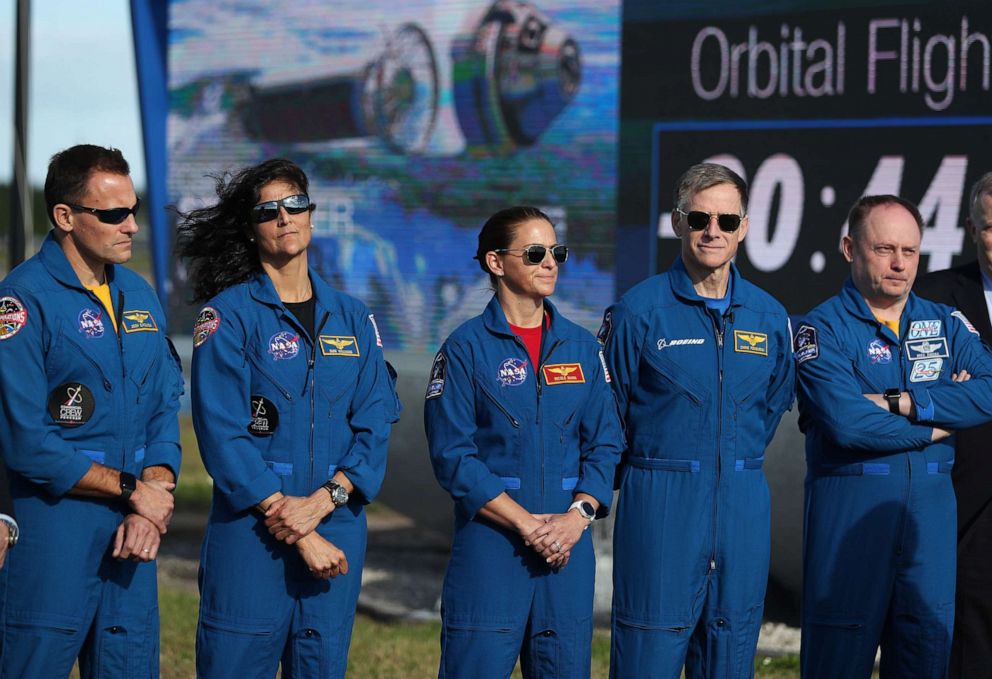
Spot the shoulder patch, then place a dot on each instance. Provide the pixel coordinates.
(13, 317)
(964, 319)
(804, 346)
(606, 329)
(375, 326)
(138, 320)
(207, 322)
(438, 370)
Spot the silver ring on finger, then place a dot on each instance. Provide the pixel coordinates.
(557, 546)
(146, 551)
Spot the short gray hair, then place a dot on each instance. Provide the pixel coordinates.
(982, 187)
(706, 175)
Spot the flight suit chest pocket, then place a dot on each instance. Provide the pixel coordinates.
(667, 394)
(497, 435)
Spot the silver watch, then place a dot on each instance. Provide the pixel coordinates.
(12, 532)
(585, 509)
(339, 494)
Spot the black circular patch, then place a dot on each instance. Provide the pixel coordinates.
(264, 417)
(71, 404)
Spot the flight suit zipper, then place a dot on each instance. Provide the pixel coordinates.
(312, 379)
(719, 332)
(539, 376)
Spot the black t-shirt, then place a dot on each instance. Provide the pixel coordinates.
(304, 312)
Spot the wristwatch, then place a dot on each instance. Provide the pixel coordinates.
(339, 494)
(128, 485)
(12, 532)
(585, 509)
(892, 396)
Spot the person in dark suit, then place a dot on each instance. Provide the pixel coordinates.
(8, 525)
(968, 288)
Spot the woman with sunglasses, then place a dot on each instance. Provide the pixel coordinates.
(524, 434)
(292, 402)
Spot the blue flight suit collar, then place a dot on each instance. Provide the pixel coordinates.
(57, 264)
(495, 321)
(854, 303)
(683, 288)
(262, 290)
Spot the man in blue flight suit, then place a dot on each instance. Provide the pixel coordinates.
(883, 377)
(89, 395)
(702, 368)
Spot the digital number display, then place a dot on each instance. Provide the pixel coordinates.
(815, 106)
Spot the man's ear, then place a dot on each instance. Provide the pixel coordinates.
(63, 217)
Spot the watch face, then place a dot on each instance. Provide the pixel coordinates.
(587, 510)
(339, 496)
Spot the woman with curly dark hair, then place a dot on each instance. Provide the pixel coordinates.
(292, 402)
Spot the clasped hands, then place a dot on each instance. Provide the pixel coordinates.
(553, 535)
(292, 520)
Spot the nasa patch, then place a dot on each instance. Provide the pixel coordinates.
(207, 322)
(13, 317)
(264, 417)
(438, 370)
(138, 320)
(964, 319)
(926, 370)
(285, 345)
(879, 352)
(337, 345)
(563, 373)
(606, 329)
(512, 372)
(804, 347)
(923, 329)
(91, 323)
(375, 326)
(71, 404)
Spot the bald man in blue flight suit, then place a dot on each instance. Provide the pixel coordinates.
(702, 368)
(89, 394)
(884, 376)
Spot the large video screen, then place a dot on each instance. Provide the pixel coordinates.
(414, 121)
(815, 104)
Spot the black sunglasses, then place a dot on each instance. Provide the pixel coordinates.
(534, 254)
(113, 215)
(698, 220)
(294, 205)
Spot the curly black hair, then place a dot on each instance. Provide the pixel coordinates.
(216, 239)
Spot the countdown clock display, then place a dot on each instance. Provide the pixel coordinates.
(815, 104)
(803, 178)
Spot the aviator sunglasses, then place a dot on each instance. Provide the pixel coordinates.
(294, 205)
(698, 220)
(113, 215)
(534, 254)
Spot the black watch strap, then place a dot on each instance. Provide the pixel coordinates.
(892, 396)
(128, 485)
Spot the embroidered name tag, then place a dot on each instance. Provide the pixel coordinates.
(747, 342)
(338, 345)
(563, 373)
(138, 321)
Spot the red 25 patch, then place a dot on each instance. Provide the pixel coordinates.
(563, 373)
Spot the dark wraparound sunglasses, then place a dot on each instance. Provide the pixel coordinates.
(698, 220)
(534, 254)
(294, 205)
(113, 215)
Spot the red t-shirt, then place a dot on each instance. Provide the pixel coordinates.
(532, 340)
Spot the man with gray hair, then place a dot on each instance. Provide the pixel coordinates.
(702, 369)
(968, 287)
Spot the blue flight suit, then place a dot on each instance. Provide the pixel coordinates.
(497, 423)
(880, 525)
(701, 394)
(74, 391)
(275, 411)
